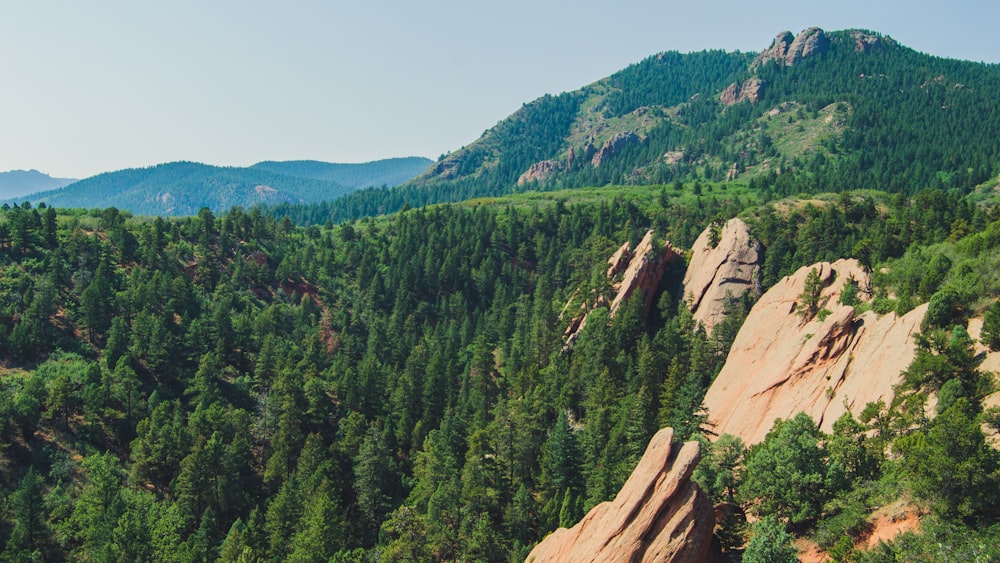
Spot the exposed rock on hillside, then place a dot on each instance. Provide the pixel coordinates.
(613, 146)
(659, 515)
(865, 42)
(788, 49)
(629, 272)
(731, 267)
(539, 171)
(751, 90)
(781, 364)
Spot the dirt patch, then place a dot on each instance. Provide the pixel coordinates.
(890, 521)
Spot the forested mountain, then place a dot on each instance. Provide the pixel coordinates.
(17, 183)
(388, 172)
(182, 188)
(820, 112)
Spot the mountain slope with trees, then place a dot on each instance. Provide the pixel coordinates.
(18, 183)
(856, 111)
(182, 188)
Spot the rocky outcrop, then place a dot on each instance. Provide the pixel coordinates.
(644, 272)
(865, 42)
(750, 90)
(788, 49)
(782, 363)
(660, 514)
(629, 272)
(613, 146)
(729, 267)
(539, 172)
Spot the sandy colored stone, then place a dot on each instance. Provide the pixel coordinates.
(732, 266)
(658, 515)
(781, 364)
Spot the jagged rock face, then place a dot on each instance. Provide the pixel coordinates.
(613, 146)
(788, 49)
(539, 171)
(660, 514)
(641, 270)
(781, 364)
(750, 90)
(731, 267)
(644, 272)
(808, 43)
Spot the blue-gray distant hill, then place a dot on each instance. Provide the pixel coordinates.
(18, 183)
(182, 188)
(389, 172)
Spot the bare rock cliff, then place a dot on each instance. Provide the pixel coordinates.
(659, 515)
(539, 171)
(613, 146)
(781, 363)
(731, 266)
(750, 90)
(788, 49)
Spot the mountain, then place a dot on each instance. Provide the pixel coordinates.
(182, 188)
(389, 172)
(17, 183)
(817, 112)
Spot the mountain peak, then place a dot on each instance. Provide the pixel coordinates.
(789, 49)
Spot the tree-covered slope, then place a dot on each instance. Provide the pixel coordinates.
(182, 188)
(833, 111)
(17, 183)
(388, 172)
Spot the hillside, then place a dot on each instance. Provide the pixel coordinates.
(182, 188)
(18, 183)
(817, 112)
(388, 172)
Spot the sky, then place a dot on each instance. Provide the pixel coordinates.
(102, 85)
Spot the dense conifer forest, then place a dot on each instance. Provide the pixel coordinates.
(226, 387)
(384, 377)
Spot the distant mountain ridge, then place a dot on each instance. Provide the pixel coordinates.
(17, 183)
(389, 172)
(182, 188)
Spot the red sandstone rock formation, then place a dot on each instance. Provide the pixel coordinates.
(730, 267)
(641, 270)
(781, 364)
(659, 515)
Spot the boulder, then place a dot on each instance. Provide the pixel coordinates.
(782, 363)
(660, 514)
(730, 267)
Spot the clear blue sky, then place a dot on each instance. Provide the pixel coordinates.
(87, 87)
